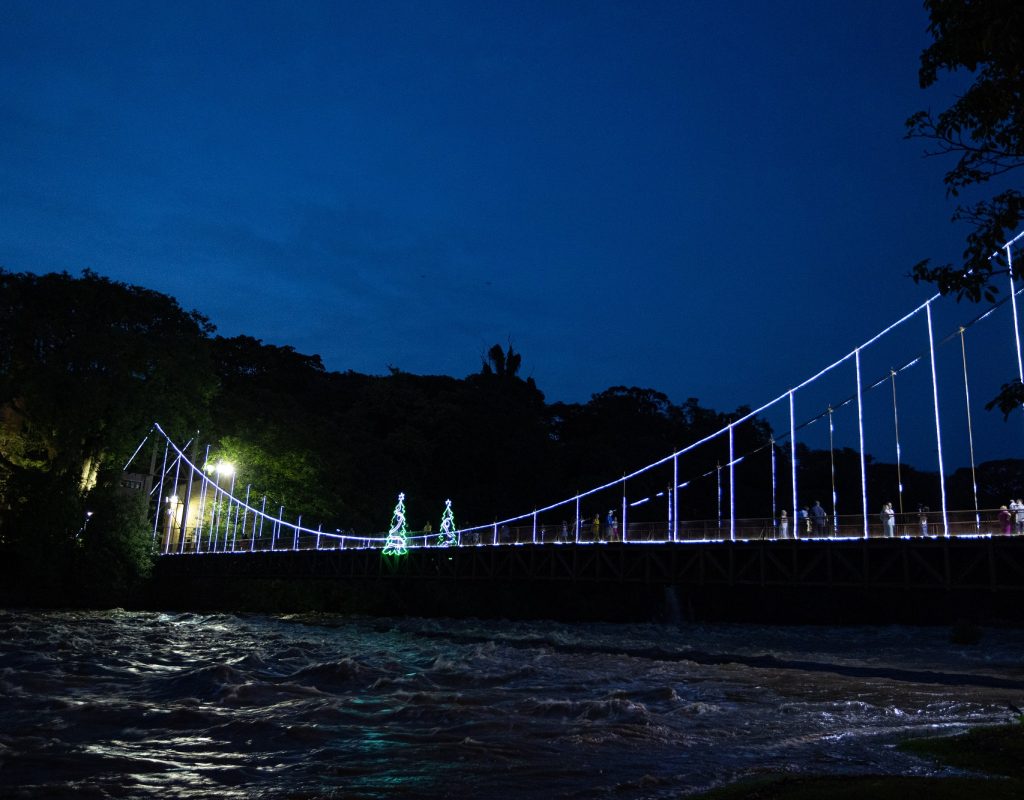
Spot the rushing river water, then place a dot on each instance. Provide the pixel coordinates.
(124, 704)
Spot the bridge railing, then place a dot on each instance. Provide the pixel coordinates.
(847, 526)
(984, 522)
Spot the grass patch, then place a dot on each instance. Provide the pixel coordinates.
(876, 787)
(998, 751)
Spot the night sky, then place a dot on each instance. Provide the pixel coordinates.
(710, 199)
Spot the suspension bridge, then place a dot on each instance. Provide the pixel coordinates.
(636, 527)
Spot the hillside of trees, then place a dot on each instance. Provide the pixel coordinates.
(88, 364)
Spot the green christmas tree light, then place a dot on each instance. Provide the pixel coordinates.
(446, 535)
(397, 541)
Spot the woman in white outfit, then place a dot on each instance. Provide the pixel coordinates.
(889, 519)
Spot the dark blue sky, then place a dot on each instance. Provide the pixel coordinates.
(710, 199)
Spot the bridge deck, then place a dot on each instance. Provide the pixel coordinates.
(951, 577)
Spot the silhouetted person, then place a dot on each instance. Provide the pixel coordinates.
(818, 518)
(783, 525)
(1005, 520)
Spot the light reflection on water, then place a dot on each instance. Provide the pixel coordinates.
(119, 704)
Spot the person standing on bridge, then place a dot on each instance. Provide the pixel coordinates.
(1005, 520)
(1020, 516)
(803, 522)
(783, 525)
(596, 531)
(818, 517)
(613, 526)
(888, 517)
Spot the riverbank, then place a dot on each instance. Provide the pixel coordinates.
(996, 751)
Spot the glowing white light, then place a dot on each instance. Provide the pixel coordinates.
(938, 427)
(446, 535)
(860, 438)
(397, 541)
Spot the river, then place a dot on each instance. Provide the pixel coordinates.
(131, 704)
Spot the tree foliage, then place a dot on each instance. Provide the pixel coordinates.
(114, 547)
(87, 364)
(502, 363)
(983, 130)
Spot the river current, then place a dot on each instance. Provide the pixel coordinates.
(127, 704)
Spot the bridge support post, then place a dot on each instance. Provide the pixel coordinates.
(1013, 303)
(231, 497)
(245, 516)
(202, 501)
(262, 516)
(771, 444)
(160, 495)
(860, 434)
(938, 428)
(792, 465)
(732, 486)
(172, 518)
(970, 432)
(718, 473)
(188, 495)
(625, 521)
(673, 513)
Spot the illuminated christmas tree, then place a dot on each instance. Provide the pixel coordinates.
(396, 544)
(446, 536)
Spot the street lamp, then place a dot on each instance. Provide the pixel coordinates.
(222, 468)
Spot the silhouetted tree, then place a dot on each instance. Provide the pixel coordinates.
(501, 363)
(273, 418)
(983, 129)
(86, 366)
